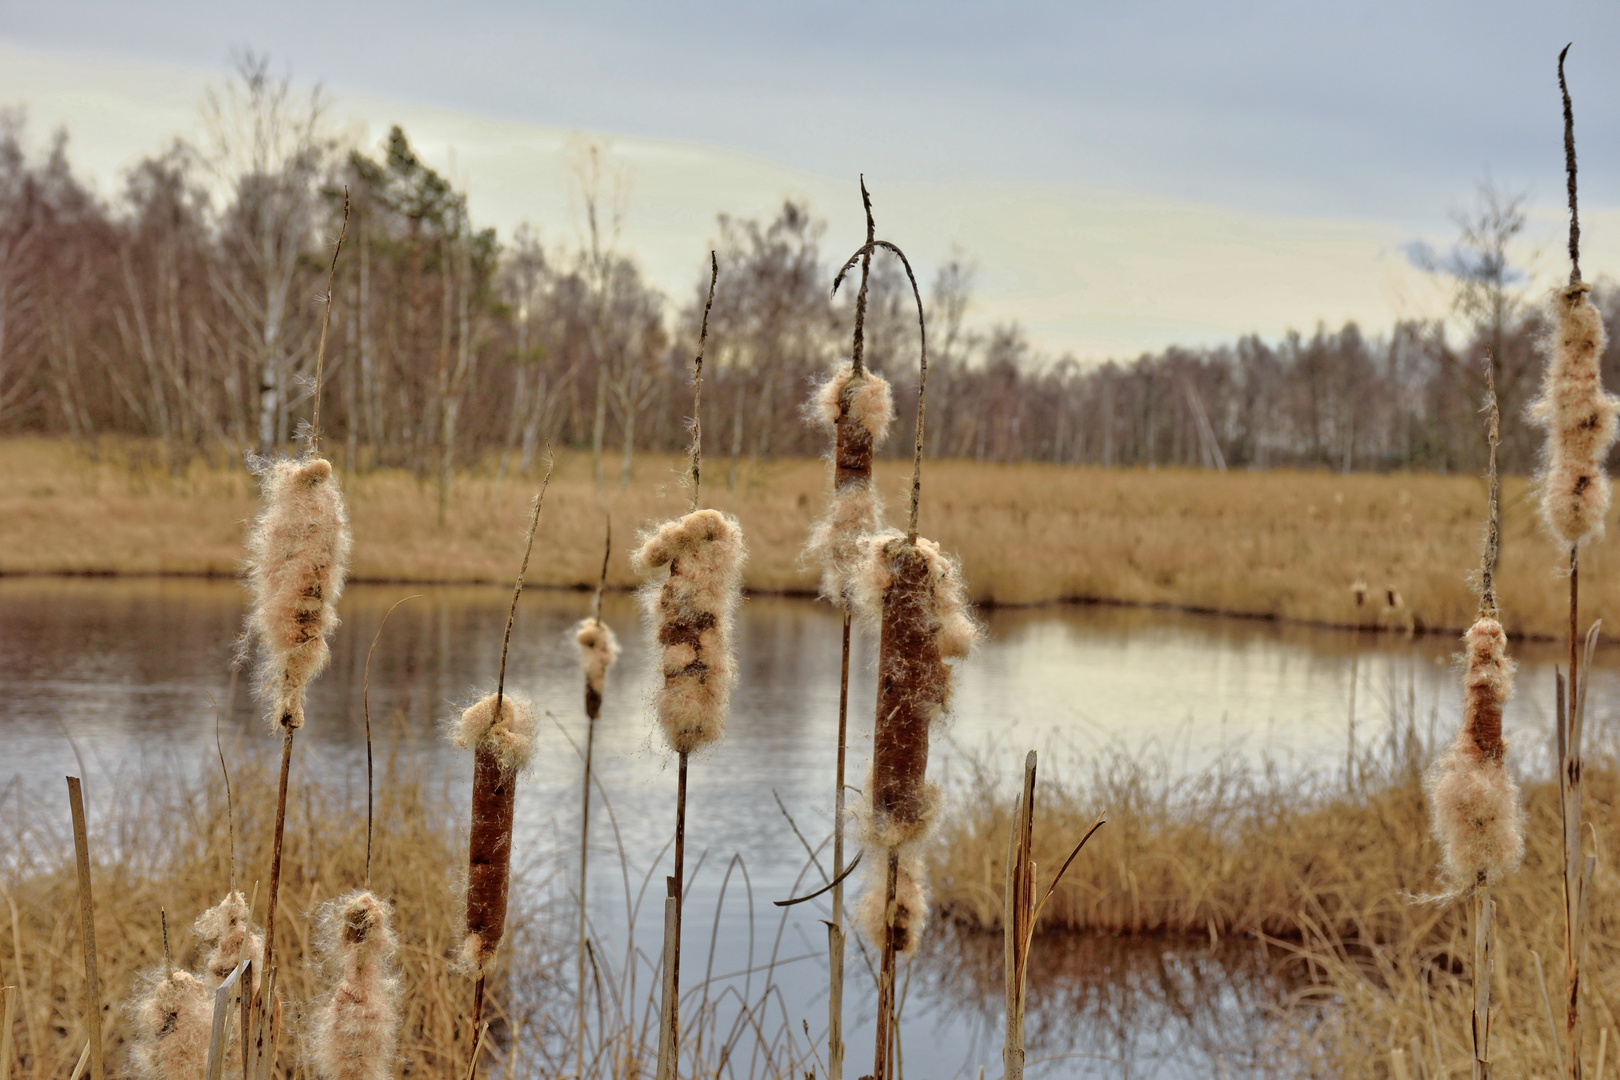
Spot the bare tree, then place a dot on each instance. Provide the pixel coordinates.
(266, 146)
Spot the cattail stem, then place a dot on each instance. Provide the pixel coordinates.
(880, 1067)
(275, 851)
(1484, 964)
(326, 320)
(669, 1042)
(835, 929)
(697, 381)
(87, 925)
(1570, 802)
(593, 709)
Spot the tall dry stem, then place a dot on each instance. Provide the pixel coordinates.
(87, 928)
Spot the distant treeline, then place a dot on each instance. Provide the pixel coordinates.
(187, 310)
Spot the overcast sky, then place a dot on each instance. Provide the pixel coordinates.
(1325, 135)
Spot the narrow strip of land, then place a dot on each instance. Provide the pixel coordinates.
(1372, 550)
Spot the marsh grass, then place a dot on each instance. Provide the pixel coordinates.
(1283, 543)
(1324, 876)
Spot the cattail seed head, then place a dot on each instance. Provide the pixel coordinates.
(171, 1015)
(1580, 419)
(298, 557)
(356, 1030)
(510, 738)
(911, 906)
(501, 749)
(689, 617)
(598, 650)
(915, 594)
(857, 411)
(225, 927)
(1474, 805)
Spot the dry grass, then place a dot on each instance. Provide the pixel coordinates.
(1326, 876)
(1275, 544)
(166, 847)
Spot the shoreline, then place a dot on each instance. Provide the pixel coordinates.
(1371, 552)
(811, 594)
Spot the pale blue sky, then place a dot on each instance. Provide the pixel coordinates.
(1380, 115)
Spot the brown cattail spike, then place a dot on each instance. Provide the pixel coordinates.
(501, 748)
(915, 594)
(356, 1030)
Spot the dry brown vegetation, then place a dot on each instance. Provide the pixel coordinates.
(1329, 877)
(158, 845)
(1276, 544)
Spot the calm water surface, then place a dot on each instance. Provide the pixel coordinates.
(127, 666)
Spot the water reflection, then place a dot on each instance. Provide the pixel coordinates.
(128, 666)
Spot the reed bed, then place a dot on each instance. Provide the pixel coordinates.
(1326, 877)
(1278, 544)
(163, 846)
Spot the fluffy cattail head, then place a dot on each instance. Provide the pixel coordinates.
(171, 1015)
(857, 410)
(1474, 809)
(225, 928)
(910, 911)
(598, 649)
(509, 738)
(1580, 419)
(356, 1030)
(298, 556)
(689, 617)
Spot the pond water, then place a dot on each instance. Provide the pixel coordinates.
(127, 666)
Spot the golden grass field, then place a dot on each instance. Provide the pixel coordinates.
(1279, 544)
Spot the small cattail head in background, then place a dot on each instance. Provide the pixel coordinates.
(298, 557)
(911, 905)
(171, 1016)
(856, 411)
(1474, 804)
(1580, 419)
(510, 738)
(598, 649)
(224, 928)
(689, 616)
(356, 1030)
